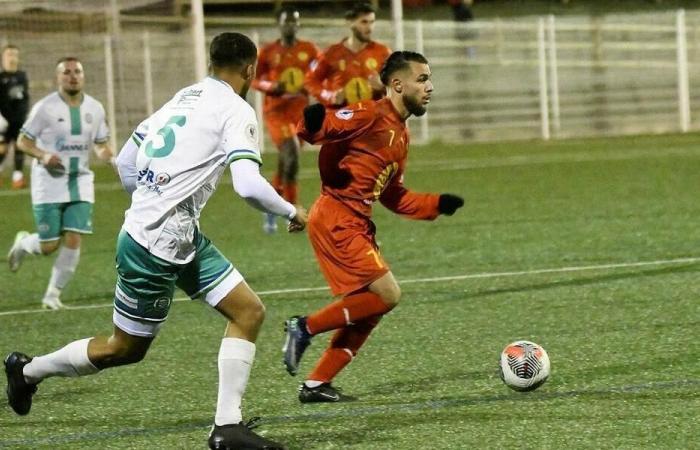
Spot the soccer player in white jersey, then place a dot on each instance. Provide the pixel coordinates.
(172, 165)
(61, 131)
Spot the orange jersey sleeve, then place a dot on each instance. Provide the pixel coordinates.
(263, 81)
(340, 124)
(402, 201)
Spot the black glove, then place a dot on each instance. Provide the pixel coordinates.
(449, 203)
(313, 117)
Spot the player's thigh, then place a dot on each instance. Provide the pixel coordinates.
(345, 249)
(144, 291)
(210, 276)
(77, 217)
(47, 217)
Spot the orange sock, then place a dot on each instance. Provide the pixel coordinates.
(345, 344)
(291, 192)
(346, 311)
(277, 184)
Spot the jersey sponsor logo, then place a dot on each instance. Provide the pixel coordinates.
(62, 146)
(383, 180)
(252, 132)
(371, 64)
(344, 114)
(88, 118)
(162, 179)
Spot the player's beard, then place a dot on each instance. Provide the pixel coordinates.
(361, 37)
(415, 107)
(72, 92)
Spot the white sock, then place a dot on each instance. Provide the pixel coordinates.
(30, 244)
(63, 268)
(70, 361)
(312, 383)
(235, 360)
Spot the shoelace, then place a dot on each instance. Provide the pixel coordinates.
(252, 423)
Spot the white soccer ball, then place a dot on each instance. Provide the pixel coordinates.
(524, 366)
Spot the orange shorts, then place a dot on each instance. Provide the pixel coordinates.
(280, 129)
(281, 121)
(345, 246)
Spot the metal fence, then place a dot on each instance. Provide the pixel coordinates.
(535, 77)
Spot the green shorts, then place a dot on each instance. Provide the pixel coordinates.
(52, 219)
(146, 283)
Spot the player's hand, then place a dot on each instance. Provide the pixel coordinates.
(375, 82)
(298, 222)
(449, 204)
(280, 89)
(52, 163)
(339, 97)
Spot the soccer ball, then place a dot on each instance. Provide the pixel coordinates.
(524, 366)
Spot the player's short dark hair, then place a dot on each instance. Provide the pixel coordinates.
(232, 50)
(399, 60)
(359, 9)
(67, 59)
(10, 47)
(287, 9)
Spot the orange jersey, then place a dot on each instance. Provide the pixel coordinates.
(363, 158)
(278, 63)
(341, 68)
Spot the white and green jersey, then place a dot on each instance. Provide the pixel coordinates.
(183, 150)
(70, 132)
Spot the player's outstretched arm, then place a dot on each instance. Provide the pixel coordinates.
(258, 193)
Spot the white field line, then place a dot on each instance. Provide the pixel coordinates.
(472, 276)
(453, 164)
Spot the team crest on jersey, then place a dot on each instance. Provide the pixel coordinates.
(162, 179)
(303, 56)
(344, 114)
(251, 132)
(371, 64)
(88, 118)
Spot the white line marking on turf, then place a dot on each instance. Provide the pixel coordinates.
(470, 276)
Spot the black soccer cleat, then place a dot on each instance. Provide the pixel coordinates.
(298, 339)
(240, 436)
(324, 393)
(19, 392)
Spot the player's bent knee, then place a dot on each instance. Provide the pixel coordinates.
(392, 296)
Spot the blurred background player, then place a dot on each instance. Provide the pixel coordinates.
(14, 105)
(282, 66)
(347, 72)
(362, 161)
(61, 131)
(171, 166)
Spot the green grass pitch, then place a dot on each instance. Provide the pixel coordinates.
(588, 247)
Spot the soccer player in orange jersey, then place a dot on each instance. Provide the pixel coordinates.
(347, 72)
(282, 66)
(362, 161)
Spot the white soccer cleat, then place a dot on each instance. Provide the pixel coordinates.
(16, 253)
(53, 303)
